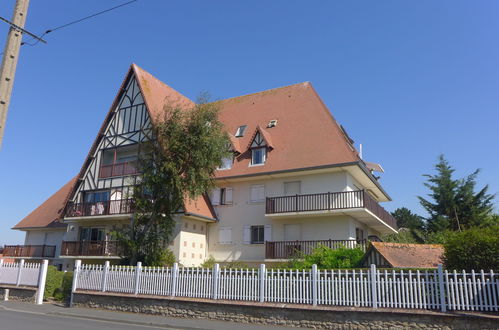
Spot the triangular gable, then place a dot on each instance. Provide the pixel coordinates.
(260, 138)
(153, 93)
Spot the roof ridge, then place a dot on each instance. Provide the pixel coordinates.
(265, 91)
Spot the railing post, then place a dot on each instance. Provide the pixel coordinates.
(215, 277)
(296, 203)
(329, 201)
(374, 295)
(441, 290)
(19, 272)
(138, 272)
(105, 272)
(76, 273)
(263, 275)
(174, 279)
(42, 277)
(314, 275)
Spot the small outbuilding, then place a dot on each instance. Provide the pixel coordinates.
(400, 255)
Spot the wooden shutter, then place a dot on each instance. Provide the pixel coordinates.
(247, 234)
(257, 193)
(267, 233)
(228, 196)
(225, 235)
(215, 196)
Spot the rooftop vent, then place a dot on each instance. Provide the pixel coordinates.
(240, 130)
(272, 123)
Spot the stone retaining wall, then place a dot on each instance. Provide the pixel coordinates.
(286, 315)
(24, 294)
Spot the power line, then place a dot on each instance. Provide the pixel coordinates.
(75, 22)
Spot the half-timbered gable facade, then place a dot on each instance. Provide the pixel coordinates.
(295, 180)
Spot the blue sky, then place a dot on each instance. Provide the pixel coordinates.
(407, 79)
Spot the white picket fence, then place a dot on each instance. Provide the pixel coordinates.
(23, 273)
(435, 289)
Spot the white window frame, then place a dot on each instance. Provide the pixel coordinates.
(264, 156)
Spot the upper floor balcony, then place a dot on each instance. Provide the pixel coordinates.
(109, 207)
(119, 161)
(118, 169)
(102, 248)
(29, 251)
(358, 204)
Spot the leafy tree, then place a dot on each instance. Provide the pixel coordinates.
(406, 235)
(179, 163)
(476, 248)
(453, 203)
(327, 258)
(407, 219)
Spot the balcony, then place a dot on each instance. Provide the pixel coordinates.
(29, 251)
(118, 169)
(358, 204)
(91, 248)
(293, 249)
(113, 207)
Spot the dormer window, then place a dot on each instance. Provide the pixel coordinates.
(226, 163)
(240, 130)
(258, 156)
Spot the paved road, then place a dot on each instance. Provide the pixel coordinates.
(10, 320)
(24, 316)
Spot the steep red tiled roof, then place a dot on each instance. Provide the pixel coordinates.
(201, 206)
(48, 213)
(410, 255)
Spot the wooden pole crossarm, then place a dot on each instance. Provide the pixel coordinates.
(22, 30)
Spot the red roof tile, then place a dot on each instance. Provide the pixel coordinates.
(410, 255)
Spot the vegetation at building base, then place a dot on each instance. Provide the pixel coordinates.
(58, 284)
(476, 248)
(327, 258)
(179, 163)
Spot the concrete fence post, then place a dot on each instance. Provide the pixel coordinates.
(216, 276)
(19, 272)
(76, 273)
(174, 279)
(42, 277)
(374, 292)
(1, 266)
(105, 272)
(314, 279)
(138, 272)
(441, 290)
(263, 275)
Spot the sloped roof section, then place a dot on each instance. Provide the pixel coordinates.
(200, 207)
(410, 255)
(307, 134)
(48, 213)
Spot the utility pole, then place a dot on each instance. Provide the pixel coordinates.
(10, 57)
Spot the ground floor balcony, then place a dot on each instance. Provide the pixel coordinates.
(91, 249)
(296, 249)
(357, 204)
(29, 251)
(111, 207)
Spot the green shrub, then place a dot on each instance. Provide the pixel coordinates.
(327, 258)
(64, 291)
(234, 264)
(209, 263)
(476, 248)
(164, 258)
(53, 282)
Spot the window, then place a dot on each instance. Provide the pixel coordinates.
(359, 234)
(240, 130)
(258, 156)
(226, 163)
(92, 234)
(97, 196)
(225, 235)
(257, 193)
(221, 196)
(292, 188)
(257, 234)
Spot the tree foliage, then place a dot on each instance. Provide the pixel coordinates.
(453, 203)
(476, 248)
(179, 163)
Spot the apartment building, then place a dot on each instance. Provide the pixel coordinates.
(295, 180)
